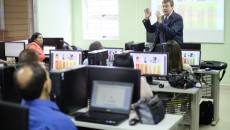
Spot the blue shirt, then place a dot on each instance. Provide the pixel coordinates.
(45, 115)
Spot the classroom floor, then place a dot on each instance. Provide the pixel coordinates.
(224, 112)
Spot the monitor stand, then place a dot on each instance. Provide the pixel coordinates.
(150, 81)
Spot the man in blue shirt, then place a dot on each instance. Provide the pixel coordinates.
(34, 85)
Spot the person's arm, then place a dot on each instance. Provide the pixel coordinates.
(149, 28)
(145, 89)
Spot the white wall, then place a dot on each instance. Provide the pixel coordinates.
(54, 18)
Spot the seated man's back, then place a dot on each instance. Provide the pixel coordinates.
(34, 85)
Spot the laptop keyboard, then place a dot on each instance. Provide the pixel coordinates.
(101, 118)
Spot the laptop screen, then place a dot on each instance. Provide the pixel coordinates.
(191, 57)
(111, 96)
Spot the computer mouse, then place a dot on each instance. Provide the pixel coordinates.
(207, 69)
(133, 122)
(161, 85)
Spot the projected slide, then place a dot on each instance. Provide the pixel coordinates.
(203, 19)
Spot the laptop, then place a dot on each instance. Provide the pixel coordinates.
(110, 103)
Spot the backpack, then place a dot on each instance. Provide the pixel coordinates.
(206, 112)
(216, 65)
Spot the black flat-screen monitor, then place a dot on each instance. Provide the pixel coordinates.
(117, 74)
(65, 59)
(13, 116)
(136, 46)
(191, 57)
(2, 51)
(190, 46)
(128, 45)
(112, 51)
(13, 49)
(151, 64)
(98, 57)
(54, 42)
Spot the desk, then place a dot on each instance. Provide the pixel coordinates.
(215, 91)
(170, 122)
(196, 95)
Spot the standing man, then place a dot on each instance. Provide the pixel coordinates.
(168, 26)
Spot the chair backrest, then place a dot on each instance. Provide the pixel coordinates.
(13, 116)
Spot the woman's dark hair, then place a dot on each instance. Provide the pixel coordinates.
(34, 36)
(95, 46)
(175, 56)
(123, 60)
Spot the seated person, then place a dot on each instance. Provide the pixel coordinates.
(28, 56)
(125, 60)
(175, 56)
(36, 41)
(93, 46)
(34, 85)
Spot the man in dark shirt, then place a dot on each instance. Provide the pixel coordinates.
(34, 85)
(168, 26)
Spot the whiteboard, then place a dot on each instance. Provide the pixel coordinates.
(203, 19)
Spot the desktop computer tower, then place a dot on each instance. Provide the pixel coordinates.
(69, 89)
(8, 91)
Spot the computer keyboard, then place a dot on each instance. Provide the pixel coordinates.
(101, 118)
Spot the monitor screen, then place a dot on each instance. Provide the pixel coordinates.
(151, 63)
(46, 49)
(13, 49)
(64, 59)
(112, 52)
(117, 74)
(54, 42)
(191, 57)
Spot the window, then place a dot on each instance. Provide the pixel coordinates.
(100, 19)
(17, 23)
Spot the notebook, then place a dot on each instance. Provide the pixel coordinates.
(110, 103)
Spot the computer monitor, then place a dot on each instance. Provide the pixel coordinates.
(112, 52)
(128, 45)
(2, 51)
(135, 46)
(13, 49)
(191, 57)
(151, 64)
(190, 46)
(54, 42)
(117, 74)
(13, 116)
(64, 59)
(47, 48)
(98, 57)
